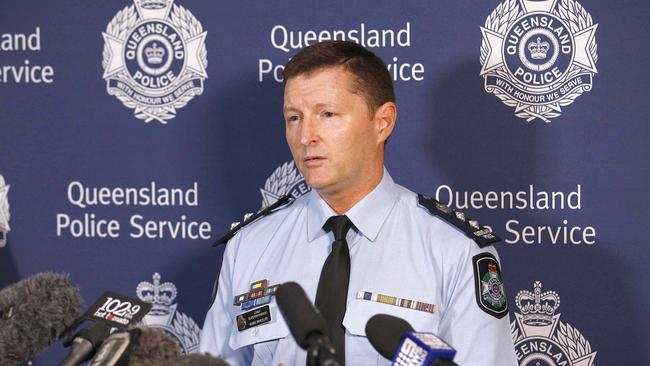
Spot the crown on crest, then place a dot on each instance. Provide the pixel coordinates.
(539, 49)
(492, 267)
(536, 307)
(159, 295)
(154, 54)
(153, 4)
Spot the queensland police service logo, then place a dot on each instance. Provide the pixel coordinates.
(538, 56)
(286, 179)
(164, 314)
(4, 211)
(492, 287)
(540, 338)
(154, 58)
(490, 292)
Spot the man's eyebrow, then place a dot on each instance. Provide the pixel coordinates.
(326, 105)
(289, 108)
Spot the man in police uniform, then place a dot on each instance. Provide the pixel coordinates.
(398, 253)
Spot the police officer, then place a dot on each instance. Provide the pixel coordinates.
(394, 251)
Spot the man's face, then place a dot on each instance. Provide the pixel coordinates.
(335, 142)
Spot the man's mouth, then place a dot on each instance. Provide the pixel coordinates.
(313, 160)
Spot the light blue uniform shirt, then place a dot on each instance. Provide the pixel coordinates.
(397, 248)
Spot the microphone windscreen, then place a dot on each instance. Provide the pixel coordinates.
(152, 347)
(385, 333)
(302, 317)
(34, 313)
(197, 359)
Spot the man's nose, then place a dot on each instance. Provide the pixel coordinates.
(309, 131)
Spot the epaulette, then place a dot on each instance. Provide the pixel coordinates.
(248, 218)
(480, 234)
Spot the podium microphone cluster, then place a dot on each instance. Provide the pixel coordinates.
(146, 346)
(131, 343)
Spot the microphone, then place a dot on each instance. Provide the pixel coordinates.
(395, 339)
(197, 359)
(110, 310)
(137, 346)
(34, 313)
(85, 343)
(307, 326)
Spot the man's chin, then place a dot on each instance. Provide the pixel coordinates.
(317, 183)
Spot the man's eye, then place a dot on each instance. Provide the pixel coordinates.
(292, 118)
(328, 114)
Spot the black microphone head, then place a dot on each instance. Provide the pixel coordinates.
(34, 313)
(385, 333)
(197, 359)
(95, 334)
(152, 347)
(302, 317)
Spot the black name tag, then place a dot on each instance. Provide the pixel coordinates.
(254, 318)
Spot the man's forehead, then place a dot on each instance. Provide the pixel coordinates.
(321, 83)
(321, 75)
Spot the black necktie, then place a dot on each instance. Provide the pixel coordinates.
(332, 293)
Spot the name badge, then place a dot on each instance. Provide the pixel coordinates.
(254, 318)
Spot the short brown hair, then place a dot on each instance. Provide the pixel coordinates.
(372, 77)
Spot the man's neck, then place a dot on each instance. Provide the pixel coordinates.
(342, 202)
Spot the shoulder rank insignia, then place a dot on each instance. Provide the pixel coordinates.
(480, 234)
(248, 218)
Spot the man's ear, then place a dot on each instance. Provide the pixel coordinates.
(385, 117)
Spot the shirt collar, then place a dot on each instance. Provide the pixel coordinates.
(367, 215)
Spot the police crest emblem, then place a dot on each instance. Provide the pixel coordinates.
(165, 315)
(492, 287)
(490, 292)
(538, 56)
(154, 58)
(241, 322)
(541, 338)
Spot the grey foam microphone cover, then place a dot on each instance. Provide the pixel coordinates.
(34, 313)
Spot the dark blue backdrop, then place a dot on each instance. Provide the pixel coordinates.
(230, 141)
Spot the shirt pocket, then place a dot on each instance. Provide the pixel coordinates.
(359, 311)
(273, 330)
